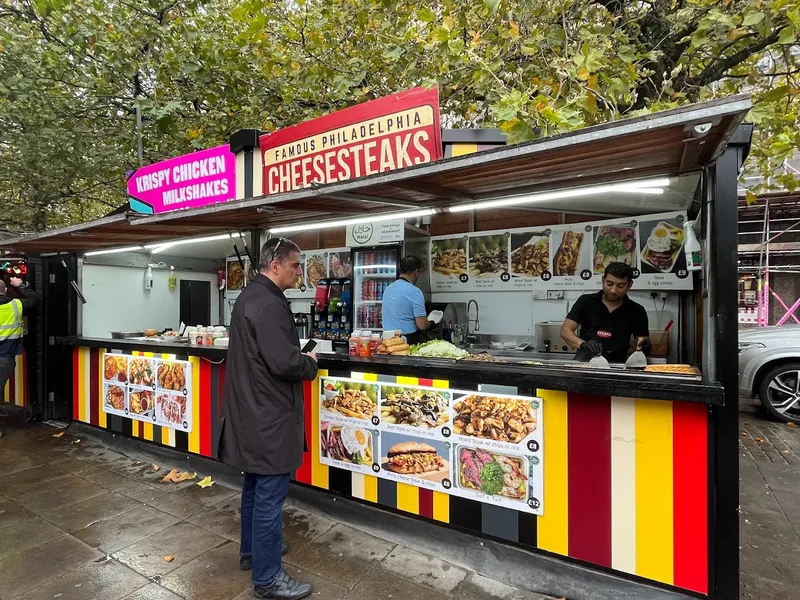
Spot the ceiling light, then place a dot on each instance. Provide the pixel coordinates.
(643, 186)
(409, 214)
(161, 246)
(113, 251)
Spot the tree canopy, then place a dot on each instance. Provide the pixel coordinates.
(73, 73)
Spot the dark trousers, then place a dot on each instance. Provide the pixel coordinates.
(262, 533)
(7, 365)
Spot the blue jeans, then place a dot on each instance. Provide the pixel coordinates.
(262, 531)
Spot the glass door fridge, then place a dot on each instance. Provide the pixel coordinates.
(373, 270)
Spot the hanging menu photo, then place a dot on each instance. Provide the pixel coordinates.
(571, 256)
(146, 389)
(486, 447)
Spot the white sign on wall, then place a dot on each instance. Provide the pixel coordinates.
(376, 234)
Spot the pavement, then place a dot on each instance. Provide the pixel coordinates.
(79, 521)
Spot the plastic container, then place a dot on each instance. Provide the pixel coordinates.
(692, 248)
(193, 335)
(352, 343)
(374, 342)
(659, 343)
(363, 344)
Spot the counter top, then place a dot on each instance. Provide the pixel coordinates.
(558, 374)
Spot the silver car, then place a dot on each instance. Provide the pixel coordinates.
(769, 367)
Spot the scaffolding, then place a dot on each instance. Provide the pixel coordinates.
(774, 220)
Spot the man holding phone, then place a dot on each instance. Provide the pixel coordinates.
(261, 432)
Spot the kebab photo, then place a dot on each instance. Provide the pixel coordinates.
(532, 256)
(488, 255)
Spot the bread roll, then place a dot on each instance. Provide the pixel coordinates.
(408, 447)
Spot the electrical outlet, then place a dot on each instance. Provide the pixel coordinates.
(663, 295)
(555, 294)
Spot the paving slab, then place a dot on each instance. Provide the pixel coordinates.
(152, 592)
(207, 496)
(218, 522)
(82, 514)
(26, 569)
(21, 483)
(11, 512)
(177, 506)
(183, 542)
(60, 492)
(382, 585)
(213, 576)
(102, 477)
(125, 529)
(107, 580)
(141, 491)
(478, 587)
(29, 533)
(301, 527)
(423, 569)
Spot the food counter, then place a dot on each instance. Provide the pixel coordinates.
(602, 466)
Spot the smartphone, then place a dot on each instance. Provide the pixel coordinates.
(310, 345)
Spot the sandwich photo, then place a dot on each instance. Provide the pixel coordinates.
(414, 458)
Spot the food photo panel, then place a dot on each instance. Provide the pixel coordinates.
(417, 461)
(418, 410)
(349, 401)
(614, 243)
(448, 263)
(115, 368)
(488, 260)
(530, 257)
(348, 447)
(497, 422)
(661, 246)
(115, 398)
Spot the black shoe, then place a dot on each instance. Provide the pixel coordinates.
(246, 562)
(283, 588)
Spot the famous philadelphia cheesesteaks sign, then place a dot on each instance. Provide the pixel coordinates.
(390, 133)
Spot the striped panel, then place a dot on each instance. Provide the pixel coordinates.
(408, 498)
(553, 525)
(303, 474)
(654, 490)
(441, 507)
(589, 478)
(102, 417)
(319, 472)
(462, 149)
(194, 434)
(623, 490)
(94, 382)
(690, 499)
(15, 390)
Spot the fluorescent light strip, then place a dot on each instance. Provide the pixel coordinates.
(644, 186)
(410, 214)
(113, 251)
(162, 246)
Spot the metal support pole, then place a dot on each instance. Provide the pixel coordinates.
(139, 142)
(724, 420)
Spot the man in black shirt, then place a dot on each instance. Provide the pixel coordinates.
(607, 319)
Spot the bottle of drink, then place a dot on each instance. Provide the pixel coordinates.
(374, 342)
(352, 343)
(692, 248)
(363, 344)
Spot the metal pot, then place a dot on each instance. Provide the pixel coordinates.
(124, 335)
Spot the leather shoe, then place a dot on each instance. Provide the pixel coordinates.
(283, 588)
(246, 562)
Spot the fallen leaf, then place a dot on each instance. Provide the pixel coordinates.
(758, 439)
(155, 468)
(792, 425)
(176, 476)
(786, 452)
(58, 435)
(169, 557)
(207, 482)
(76, 442)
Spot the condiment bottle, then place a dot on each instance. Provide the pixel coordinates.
(352, 343)
(374, 342)
(692, 248)
(363, 344)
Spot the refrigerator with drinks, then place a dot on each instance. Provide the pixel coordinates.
(373, 270)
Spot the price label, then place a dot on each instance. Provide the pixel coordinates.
(376, 421)
(546, 275)
(463, 278)
(586, 274)
(682, 273)
(533, 446)
(505, 277)
(447, 484)
(446, 432)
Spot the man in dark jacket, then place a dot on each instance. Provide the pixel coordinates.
(262, 430)
(12, 326)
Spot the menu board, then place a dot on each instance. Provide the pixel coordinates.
(320, 264)
(153, 390)
(563, 257)
(482, 446)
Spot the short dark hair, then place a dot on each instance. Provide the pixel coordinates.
(276, 249)
(619, 270)
(410, 263)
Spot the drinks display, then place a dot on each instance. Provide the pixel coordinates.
(374, 271)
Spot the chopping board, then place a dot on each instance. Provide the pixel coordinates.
(433, 476)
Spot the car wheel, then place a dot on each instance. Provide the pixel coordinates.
(780, 392)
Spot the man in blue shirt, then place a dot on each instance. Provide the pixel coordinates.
(404, 304)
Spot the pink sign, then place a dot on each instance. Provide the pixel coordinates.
(198, 179)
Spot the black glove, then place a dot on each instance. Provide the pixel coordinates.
(592, 347)
(644, 346)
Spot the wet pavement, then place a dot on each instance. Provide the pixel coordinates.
(81, 522)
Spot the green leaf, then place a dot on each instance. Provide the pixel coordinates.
(753, 18)
(492, 5)
(426, 15)
(627, 54)
(788, 36)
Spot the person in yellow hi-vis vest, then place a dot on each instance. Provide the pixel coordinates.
(12, 327)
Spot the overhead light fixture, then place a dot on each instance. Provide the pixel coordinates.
(409, 214)
(643, 186)
(113, 250)
(161, 246)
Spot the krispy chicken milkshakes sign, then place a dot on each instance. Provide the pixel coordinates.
(188, 181)
(391, 133)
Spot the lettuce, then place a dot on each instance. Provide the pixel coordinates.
(438, 349)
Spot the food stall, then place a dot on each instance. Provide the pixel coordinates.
(632, 474)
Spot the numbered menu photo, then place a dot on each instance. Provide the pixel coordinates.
(115, 383)
(349, 401)
(530, 257)
(614, 243)
(173, 390)
(448, 263)
(497, 451)
(661, 247)
(488, 260)
(420, 411)
(348, 446)
(141, 388)
(422, 462)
